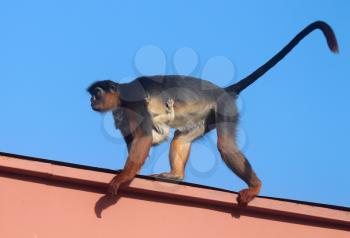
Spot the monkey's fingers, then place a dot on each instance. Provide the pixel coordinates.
(113, 187)
(246, 195)
(170, 103)
(112, 190)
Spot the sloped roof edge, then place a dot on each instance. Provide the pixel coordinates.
(98, 178)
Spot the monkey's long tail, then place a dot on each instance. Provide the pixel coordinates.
(324, 27)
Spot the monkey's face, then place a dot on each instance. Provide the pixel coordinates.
(104, 96)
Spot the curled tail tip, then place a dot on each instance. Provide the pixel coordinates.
(332, 43)
(335, 49)
(330, 35)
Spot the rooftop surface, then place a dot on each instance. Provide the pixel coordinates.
(23, 169)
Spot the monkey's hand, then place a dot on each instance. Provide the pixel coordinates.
(248, 194)
(113, 186)
(170, 105)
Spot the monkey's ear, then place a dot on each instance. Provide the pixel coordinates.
(113, 87)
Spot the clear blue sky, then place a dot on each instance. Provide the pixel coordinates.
(295, 120)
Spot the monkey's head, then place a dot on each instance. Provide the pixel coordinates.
(104, 95)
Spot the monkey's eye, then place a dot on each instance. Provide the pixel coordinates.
(98, 94)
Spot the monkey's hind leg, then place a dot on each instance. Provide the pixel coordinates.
(226, 129)
(179, 152)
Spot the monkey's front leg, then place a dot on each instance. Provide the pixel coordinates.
(138, 153)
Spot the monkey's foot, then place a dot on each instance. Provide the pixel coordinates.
(159, 129)
(246, 195)
(169, 176)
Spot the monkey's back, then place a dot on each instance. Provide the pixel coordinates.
(179, 88)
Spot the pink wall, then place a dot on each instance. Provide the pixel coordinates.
(45, 200)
